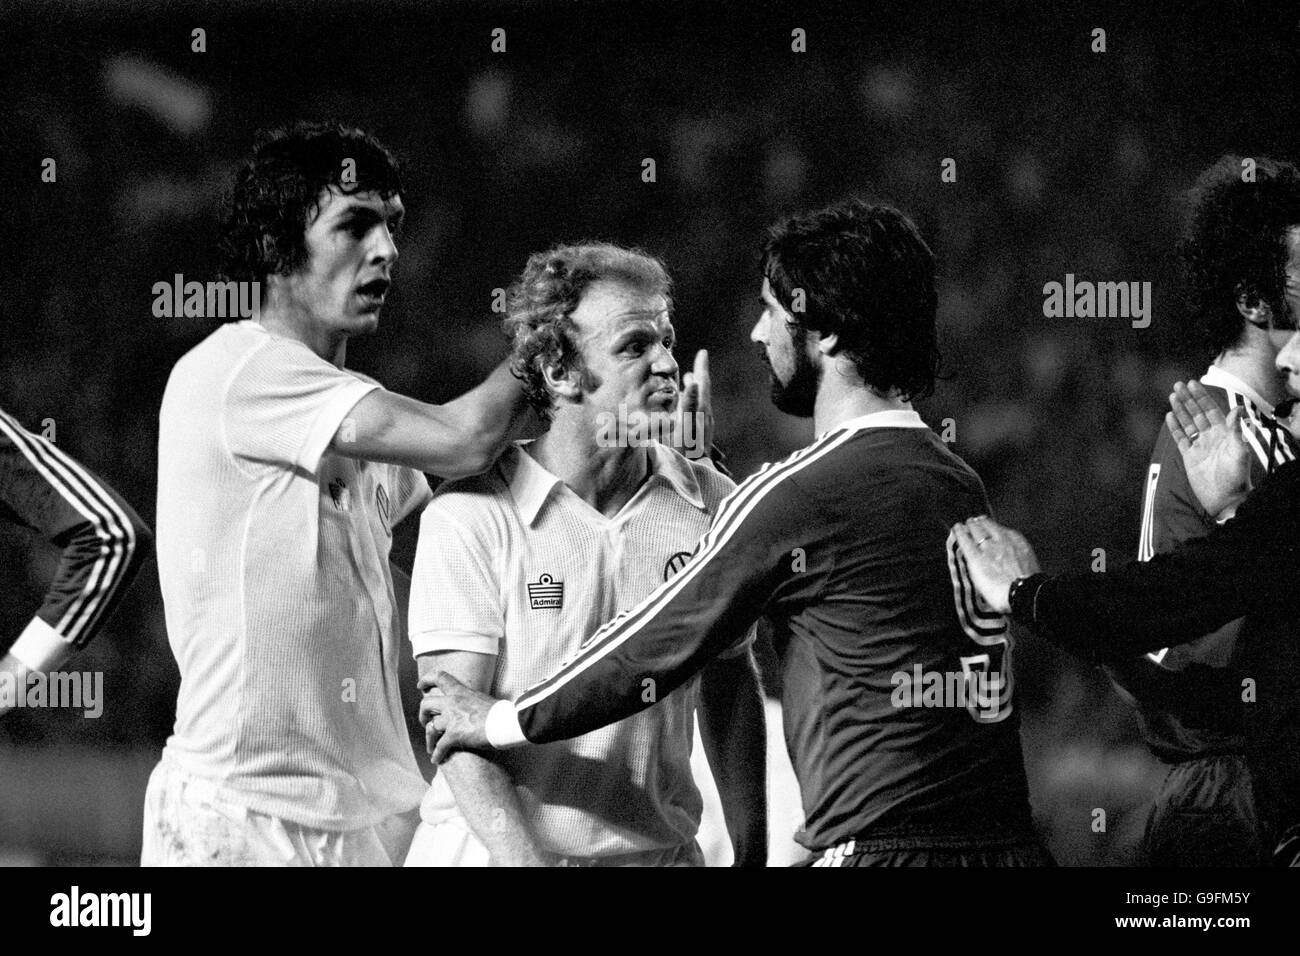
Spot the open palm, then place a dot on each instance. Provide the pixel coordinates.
(1215, 455)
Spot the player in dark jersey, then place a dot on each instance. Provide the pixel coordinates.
(104, 543)
(897, 684)
(1188, 698)
(1245, 568)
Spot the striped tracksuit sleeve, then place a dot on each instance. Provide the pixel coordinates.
(1248, 565)
(647, 652)
(103, 540)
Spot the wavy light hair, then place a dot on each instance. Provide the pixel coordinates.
(540, 304)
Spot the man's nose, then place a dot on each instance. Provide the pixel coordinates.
(385, 247)
(756, 333)
(664, 363)
(1288, 359)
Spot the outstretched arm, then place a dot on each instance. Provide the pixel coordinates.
(455, 440)
(1248, 565)
(646, 653)
(104, 543)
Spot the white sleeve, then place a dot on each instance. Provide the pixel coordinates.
(284, 405)
(40, 647)
(455, 587)
(411, 492)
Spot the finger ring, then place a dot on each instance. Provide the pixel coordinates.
(980, 542)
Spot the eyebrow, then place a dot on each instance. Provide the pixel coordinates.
(642, 328)
(355, 213)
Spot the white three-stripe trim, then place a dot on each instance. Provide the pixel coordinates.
(740, 503)
(116, 534)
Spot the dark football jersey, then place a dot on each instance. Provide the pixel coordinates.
(1246, 568)
(1188, 698)
(897, 703)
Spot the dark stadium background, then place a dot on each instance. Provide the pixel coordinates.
(1067, 161)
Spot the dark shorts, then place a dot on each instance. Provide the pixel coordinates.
(865, 853)
(1204, 815)
(688, 854)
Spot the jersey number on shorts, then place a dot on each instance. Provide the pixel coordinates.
(988, 674)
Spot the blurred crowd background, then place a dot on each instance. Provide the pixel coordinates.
(1068, 161)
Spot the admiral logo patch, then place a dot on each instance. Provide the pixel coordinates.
(545, 592)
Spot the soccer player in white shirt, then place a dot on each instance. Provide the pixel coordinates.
(281, 475)
(517, 566)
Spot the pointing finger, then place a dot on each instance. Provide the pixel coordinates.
(703, 378)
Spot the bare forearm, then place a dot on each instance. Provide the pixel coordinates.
(733, 729)
(488, 800)
(455, 440)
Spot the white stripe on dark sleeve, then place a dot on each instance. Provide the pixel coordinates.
(114, 529)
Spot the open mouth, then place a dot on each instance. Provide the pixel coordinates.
(372, 293)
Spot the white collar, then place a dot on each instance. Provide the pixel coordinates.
(1230, 383)
(889, 418)
(531, 484)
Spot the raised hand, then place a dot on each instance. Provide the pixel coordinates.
(1215, 455)
(696, 438)
(995, 557)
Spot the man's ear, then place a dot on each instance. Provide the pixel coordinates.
(564, 383)
(1252, 308)
(828, 344)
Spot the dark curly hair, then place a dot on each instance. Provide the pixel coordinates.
(1235, 243)
(279, 188)
(540, 304)
(868, 277)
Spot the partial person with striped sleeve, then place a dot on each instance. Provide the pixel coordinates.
(1239, 245)
(897, 690)
(1247, 567)
(103, 540)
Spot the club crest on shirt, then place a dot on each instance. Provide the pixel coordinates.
(340, 494)
(545, 592)
(676, 563)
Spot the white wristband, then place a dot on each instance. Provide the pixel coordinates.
(40, 647)
(502, 726)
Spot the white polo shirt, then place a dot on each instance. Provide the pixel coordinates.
(273, 560)
(514, 564)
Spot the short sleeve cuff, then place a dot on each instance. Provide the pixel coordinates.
(431, 642)
(503, 730)
(40, 647)
(328, 421)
